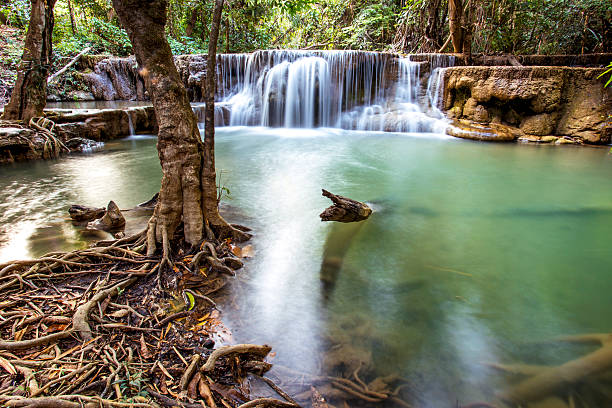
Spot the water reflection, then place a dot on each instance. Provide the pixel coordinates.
(474, 251)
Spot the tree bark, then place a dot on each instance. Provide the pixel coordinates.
(178, 144)
(455, 10)
(188, 191)
(466, 26)
(72, 21)
(344, 209)
(30, 93)
(209, 175)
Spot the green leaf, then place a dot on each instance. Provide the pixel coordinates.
(192, 301)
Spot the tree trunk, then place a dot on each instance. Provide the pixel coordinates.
(209, 175)
(30, 93)
(227, 36)
(455, 10)
(193, 19)
(188, 192)
(72, 21)
(467, 26)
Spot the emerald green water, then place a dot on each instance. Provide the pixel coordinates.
(476, 252)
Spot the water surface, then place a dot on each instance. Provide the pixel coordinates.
(475, 252)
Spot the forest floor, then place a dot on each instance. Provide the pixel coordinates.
(110, 326)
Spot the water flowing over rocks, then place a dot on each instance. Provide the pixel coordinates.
(391, 93)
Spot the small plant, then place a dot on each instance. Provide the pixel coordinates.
(607, 71)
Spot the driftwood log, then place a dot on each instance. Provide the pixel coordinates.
(112, 220)
(344, 209)
(81, 213)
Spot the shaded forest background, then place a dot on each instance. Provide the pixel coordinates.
(506, 26)
(499, 26)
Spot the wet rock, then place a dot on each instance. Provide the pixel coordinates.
(81, 213)
(548, 139)
(565, 140)
(116, 79)
(455, 112)
(81, 96)
(103, 124)
(23, 144)
(529, 139)
(539, 125)
(110, 221)
(80, 144)
(488, 133)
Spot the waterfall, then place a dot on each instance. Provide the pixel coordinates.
(342, 89)
(130, 123)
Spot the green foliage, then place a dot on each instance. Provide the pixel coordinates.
(512, 26)
(607, 71)
(104, 37)
(17, 13)
(186, 45)
(372, 27)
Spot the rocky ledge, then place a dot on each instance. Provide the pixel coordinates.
(531, 104)
(73, 130)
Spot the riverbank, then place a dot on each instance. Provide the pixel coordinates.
(64, 131)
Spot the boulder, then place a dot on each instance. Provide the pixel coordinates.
(112, 219)
(548, 139)
(492, 132)
(539, 125)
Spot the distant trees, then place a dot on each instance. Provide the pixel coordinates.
(30, 92)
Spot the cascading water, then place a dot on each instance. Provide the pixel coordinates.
(341, 89)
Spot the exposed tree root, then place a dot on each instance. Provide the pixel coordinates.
(544, 381)
(91, 328)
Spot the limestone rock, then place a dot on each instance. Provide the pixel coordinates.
(542, 101)
(455, 112)
(539, 125)
(112, 219)
(529, 139)
(565, 140)
(81, 96)
(548, 139)
(493, 132)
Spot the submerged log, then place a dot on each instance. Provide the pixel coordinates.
(344, 209)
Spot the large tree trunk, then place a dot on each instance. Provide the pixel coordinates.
(187, 192)
(30, 93)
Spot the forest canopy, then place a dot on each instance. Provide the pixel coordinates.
(500, 26)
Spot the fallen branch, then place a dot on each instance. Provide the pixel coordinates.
(344, 209)
(71, 63)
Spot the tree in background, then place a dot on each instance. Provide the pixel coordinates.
(30, 92)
